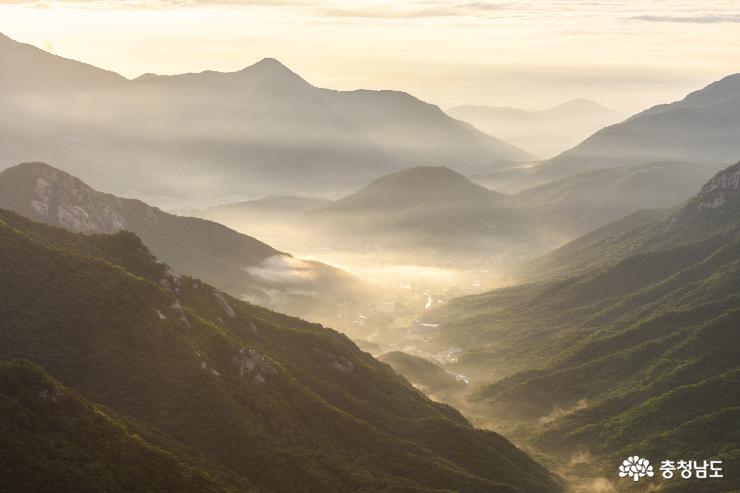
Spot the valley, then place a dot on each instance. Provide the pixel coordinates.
(237, 280)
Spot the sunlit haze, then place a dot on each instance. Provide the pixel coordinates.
(624, 54)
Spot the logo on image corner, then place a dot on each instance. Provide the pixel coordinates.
(636, 468)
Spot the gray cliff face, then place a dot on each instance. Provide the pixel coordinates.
(716, 207)
(723, 188)
(61, 199)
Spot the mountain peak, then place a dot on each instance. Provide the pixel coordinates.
(38, 169)
(422, 177)
(271, 68)
(413, 186)
(271, 62)
(47, 194)
(580, 105)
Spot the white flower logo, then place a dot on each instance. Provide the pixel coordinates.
(636, 468)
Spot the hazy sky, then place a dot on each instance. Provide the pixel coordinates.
(624, 54)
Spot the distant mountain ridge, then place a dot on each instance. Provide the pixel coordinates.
(233, 261)
(437, 210)
(545, 132)
(702, 127)
(714, 210)
(34, 70)
(434, 209)
(262, 130)
(272, 204)
(578, 204)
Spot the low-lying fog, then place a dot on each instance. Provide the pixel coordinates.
(403, 284)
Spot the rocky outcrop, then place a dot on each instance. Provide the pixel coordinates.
(170, 280)
(228, 310)
(723, 188)
(180, 312)
(716, 205)
(250, 362)
(59, 198)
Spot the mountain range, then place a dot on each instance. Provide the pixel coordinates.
(545, 133)
(138, 381)
(424, 212)
(238, 264)
(654, 159)
(576, 205)
(702, 127)
(425, 208)
(438, 211)
(256, 131)
(629, 344)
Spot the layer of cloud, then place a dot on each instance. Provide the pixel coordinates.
(696, 19)
(413, 10)
(669, 11)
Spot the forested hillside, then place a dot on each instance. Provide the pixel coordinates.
(638, 353)
(257, 400)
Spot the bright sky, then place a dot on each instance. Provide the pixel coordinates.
(626, 54)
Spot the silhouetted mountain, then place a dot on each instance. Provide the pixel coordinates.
(278, 206)
(577, 108)
(427, 208)
(237, 263)
(27, 69)
(634, 352)
(253, 400)
(437, 209)
(260, 130)
(545, 132)
(702, 127)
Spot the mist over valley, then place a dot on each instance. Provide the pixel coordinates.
(242, 281)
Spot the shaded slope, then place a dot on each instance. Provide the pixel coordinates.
(547, 132)
(704, 126)
(53, 440)
(35, 70)
(255, 397)
(576, 205)
(427, 375)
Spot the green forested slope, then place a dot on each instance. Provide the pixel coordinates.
(258, 400)
(640, 355)
(429, 376)
(53, 440)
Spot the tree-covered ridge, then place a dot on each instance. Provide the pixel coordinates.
(258, 400)
(639, 355)
(53, 440)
